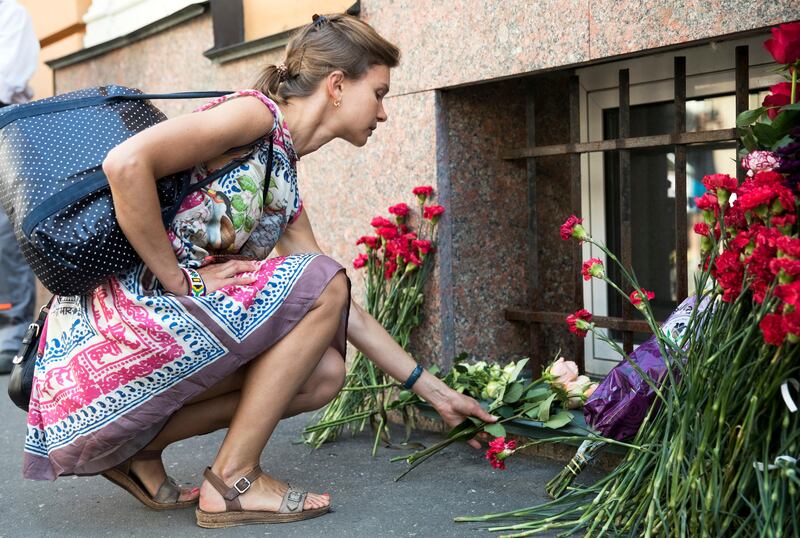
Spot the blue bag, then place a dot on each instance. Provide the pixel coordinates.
(54, 191)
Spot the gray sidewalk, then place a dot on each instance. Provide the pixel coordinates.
(366, 500)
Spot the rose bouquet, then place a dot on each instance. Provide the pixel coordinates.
(716, 453)
(396, 264)
(546, 400)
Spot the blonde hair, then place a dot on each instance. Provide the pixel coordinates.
(330, 43)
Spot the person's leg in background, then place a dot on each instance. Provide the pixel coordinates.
(17, 295)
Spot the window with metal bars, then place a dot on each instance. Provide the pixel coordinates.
(644, 131)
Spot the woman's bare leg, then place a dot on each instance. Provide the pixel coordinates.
(214, 410)
(272, 381)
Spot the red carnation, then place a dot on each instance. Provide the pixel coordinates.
(720, 181)
(401, 210)
(422, 245)
(707, 202)
(780, 95)
(381, 222)
(499, 450)
(573, 227)
(579, 322)
(432, 213)
(773, 328)
(389, 268)
(784, 222)
(789, 246)
(729, 272)
(785, 43)
(369, 240)
(387, 232)
(423, 193)
(360, 261)
(789, 293)
(593, 267)
(791, 322)
(637, 299)
(701, 228)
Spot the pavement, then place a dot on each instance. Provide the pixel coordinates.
(366, 500)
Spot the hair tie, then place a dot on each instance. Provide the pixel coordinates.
(318, 20)
(283, 71)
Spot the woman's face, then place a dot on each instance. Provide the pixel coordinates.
(362, 105)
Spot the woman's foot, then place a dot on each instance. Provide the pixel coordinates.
(265, 494)
(151, 473)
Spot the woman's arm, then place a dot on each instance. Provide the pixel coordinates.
(166, 148)
(369, 337)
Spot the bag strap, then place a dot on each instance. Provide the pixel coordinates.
(30, 110)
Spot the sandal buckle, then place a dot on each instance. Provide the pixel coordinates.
(243, 488)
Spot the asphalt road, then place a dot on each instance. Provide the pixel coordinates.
(366, 500)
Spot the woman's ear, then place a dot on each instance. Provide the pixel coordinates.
(333, 83)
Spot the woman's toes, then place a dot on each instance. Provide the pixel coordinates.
(188, 494)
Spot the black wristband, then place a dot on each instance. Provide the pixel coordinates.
(413, 377)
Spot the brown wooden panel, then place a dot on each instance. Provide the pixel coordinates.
(681, 225)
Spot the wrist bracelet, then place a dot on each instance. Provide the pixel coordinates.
(197, 286)
(413, 377)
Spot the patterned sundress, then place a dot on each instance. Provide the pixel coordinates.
(115, 364)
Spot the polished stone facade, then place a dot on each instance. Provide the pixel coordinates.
(457, 100)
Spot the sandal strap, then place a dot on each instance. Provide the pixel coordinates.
(169, 492)
(293, 500)
(230, 494)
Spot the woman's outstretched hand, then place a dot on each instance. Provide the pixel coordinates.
(456, 407)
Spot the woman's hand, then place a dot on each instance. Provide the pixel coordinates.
(229, 273)
(219, 275)
(456, 407)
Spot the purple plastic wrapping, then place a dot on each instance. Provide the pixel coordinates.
(621, 401)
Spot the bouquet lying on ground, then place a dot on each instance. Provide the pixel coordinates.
(546, 400)
(396, 262)
(716, 454)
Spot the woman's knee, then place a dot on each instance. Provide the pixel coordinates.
(336, 292)
(329, 375)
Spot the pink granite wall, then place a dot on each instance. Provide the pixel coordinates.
(451, 138)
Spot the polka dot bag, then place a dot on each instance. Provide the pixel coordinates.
(53, 189)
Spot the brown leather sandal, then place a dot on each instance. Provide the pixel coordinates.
(291, 507)
(166, 498)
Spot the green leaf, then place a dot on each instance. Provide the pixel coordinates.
(434, 369)
(544, 408)
(749, 116)
(748, 140)
(765, 134)
(520, 365)
(505, 411)
(247, 183)
(785, 141)
(562, 418)
(793, 106)
(461, 357)
(404, 395)
(475, 420)
(533, 413)
(495, 429)
(460, 368)
(537, 393)
(513, 392)
(784, 122)
(238, 203)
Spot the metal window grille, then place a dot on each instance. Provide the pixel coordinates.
(623, 145)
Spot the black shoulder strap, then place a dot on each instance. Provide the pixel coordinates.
(36, 108)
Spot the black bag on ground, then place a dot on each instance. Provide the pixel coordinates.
(20, 382)
(54, 191)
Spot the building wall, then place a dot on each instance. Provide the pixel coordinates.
(450, 138)
(54, 19)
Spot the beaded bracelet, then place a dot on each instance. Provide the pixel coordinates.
(197, 286)
(413, 377)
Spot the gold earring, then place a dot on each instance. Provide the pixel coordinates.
(337, 103)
